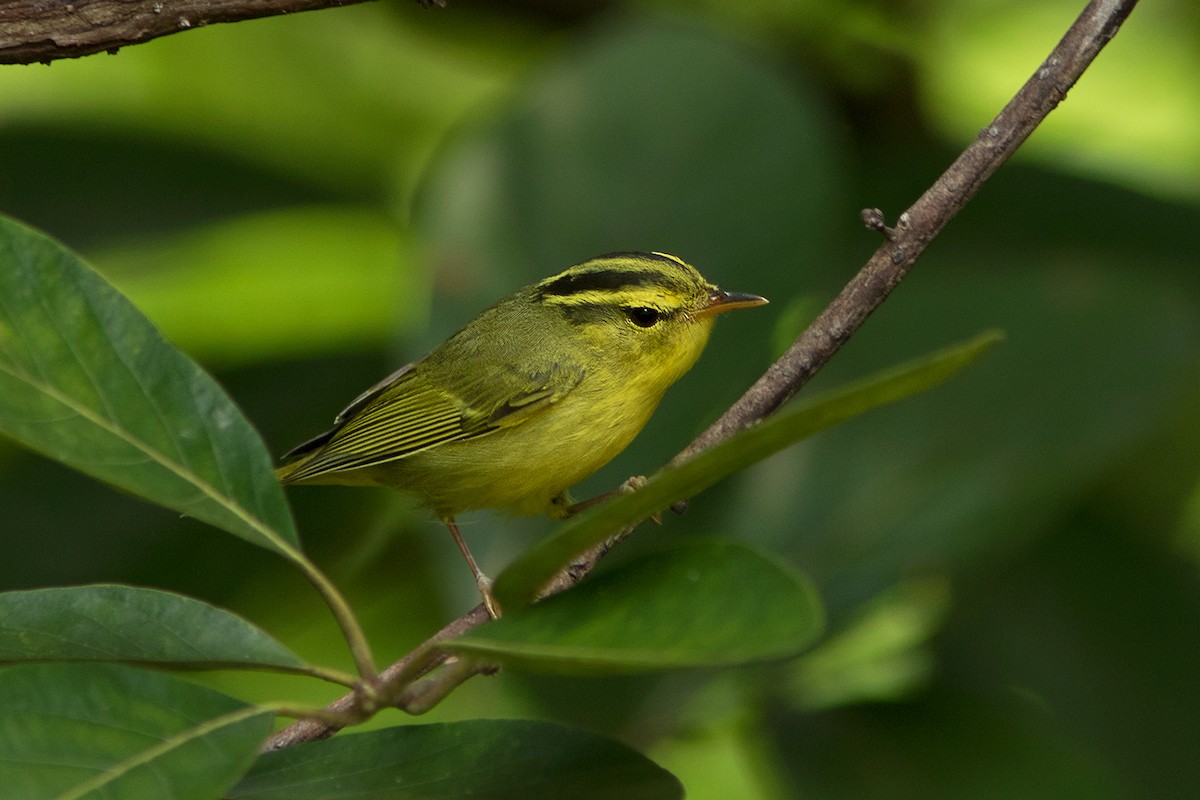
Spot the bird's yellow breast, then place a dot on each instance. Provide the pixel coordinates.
(521, 469)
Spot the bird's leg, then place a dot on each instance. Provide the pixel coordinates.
(482, 581)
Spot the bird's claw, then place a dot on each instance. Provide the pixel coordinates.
(489, 599)
(632, 484)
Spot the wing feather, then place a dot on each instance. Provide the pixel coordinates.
(406, 414)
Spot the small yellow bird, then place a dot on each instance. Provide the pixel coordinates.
(530, 397)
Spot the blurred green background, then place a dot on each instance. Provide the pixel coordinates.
(1010, 562)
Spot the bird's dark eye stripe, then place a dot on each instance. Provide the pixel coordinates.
(601, 280)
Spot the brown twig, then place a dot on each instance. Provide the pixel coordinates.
(913, 232)
(417, 663)
(399, 677)
(427, 657)
(39, 31)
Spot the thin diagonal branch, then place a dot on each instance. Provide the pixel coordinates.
(914, 230)
(917, 226)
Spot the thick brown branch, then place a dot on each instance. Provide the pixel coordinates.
(44, 30)
(914, 230)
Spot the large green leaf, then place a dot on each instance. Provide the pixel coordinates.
(87, 380)
(126, 623)
(709, 603)
(518, 584)
(495, 758)
(71, 731)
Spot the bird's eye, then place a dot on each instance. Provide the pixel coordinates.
(642, 316)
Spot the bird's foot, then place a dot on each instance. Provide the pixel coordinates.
(489, 599)
(632, 484)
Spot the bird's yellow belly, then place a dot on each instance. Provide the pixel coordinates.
(521, 469)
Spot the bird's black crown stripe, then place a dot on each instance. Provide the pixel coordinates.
(610, 278)
(601, 280)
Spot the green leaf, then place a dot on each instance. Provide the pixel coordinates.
(881, 655)
(125, 623)
(494, 758)
(70, 731)
(87, 380)
(519, 583)
(709, 603)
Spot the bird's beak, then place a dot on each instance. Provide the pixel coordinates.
(719, 301)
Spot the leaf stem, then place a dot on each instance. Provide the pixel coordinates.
(331, 675)
(352, 631)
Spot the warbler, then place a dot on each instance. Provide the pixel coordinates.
(530, 397)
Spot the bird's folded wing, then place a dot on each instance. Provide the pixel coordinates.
(407, 416)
